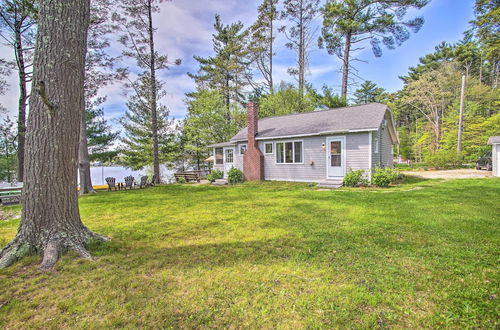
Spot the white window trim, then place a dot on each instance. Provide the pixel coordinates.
(293, 152)
(239, 148)
(269, 153)
(377, 142)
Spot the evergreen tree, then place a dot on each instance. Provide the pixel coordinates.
(300, 14)
(262, 36)
(347, 25)
(18, 29)
(228, 70)
(137, 145)
(99, 135)
(138, 39)
(328, 99)
(368, 92)
(8, 150)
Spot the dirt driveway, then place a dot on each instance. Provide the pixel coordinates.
(449, 174)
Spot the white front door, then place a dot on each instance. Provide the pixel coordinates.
(228, 160)
(335, 157)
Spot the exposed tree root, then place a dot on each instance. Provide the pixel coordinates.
(52, 250)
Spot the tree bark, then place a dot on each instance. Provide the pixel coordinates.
(271, 41)
(23, 95)
(83, 160)
(50, 221)
(461, 116)
(154, 112)
(345, 65)
(302, 51)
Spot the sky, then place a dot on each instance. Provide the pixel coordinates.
(185, 27)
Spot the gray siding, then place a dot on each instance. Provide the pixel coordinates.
(384, 157)
(313, 168)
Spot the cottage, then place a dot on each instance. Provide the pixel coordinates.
(494, 141)
(310, 147)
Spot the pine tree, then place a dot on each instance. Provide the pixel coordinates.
(300, 14)
(18, 29)
(368, 92)
(137, 146)
(228, 70)
(138, 39)
(262, 36)
(347, 25)
(50, 220)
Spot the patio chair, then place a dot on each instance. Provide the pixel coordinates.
(144, 181)
(153, 180)
(129, 182)
(111, 183)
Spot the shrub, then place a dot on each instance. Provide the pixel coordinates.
(354, 178)
(214, 175)
(235, 176)
(181, 180)
(444, 159)
(382, 177)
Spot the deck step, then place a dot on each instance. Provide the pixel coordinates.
(219, 182)
(330, 184)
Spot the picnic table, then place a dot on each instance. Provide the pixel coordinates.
(10, 195)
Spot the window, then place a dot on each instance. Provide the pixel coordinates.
(289, 152)
(243, 149)
(229, 156)
(219, 156)
(336, 153)
(268, 147)
(375, 142)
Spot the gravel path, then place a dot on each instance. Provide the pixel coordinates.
(450, 174)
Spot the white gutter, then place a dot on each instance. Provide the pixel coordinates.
(311, 134)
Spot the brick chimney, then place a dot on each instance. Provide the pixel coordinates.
(253, 160)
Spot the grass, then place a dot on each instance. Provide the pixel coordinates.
(272, 255)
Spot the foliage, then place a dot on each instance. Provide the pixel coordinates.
(382, 177)
(137, 141)
(99, 135)
(444, 159)
(348, 25)
(369, 92)
(299, 33)
(226, 257)
(8, 149)
(286, 100)
(214, 175)
(326, 99)
(181, 180)
(235, 176)
(354, 178)
(227, 71)
(262, 36)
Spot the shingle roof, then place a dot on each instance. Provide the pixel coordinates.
(222, 144)
(494, 140)
(354, 118)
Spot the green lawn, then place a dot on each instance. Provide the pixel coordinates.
(284, 255)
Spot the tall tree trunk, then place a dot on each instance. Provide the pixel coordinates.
(23, 95)
(154, 112)
(345, 66)
(302, 46)
(83, 160)
(50, 221)
(461, 116)
(271, 41)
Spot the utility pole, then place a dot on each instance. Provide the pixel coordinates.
(461, 117)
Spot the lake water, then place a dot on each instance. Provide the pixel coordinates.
(100, 173)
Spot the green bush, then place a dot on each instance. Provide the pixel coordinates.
(382, 177)
(214, 175)
(354, 178)
(235, 176)
(181, 180)
(444, 159)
